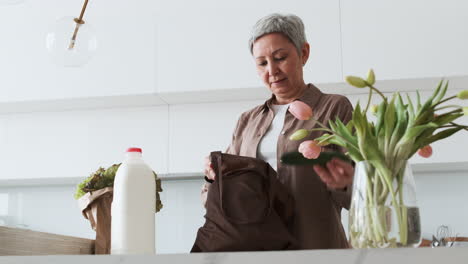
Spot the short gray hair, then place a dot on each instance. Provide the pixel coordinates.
(289, 25)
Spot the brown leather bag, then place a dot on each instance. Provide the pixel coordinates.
(247, 208)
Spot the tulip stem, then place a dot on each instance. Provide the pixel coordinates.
(445, 100)
(368, 100)
(461, 127)
(447, 106)
(458, 125)
(453, 111)
(379, 92)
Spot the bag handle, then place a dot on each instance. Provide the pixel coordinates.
(216, 160)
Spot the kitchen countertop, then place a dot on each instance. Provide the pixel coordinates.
(24, 242)
(372, 256)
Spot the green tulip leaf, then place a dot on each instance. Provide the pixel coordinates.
(441, 94)
(445, 119)
(296, 158)
(441, 135)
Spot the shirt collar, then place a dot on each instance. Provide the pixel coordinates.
(311, 96)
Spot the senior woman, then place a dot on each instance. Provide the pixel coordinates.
(279, 47)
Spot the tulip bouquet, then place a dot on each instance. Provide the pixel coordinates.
(402, 128)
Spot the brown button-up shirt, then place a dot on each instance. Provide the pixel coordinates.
(318, 208)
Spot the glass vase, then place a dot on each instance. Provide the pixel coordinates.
(384, 212)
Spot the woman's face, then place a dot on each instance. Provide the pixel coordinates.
(280, 66)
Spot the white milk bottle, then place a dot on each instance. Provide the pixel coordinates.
(133, 207)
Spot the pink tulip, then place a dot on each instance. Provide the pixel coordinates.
(425, 151)
(300, 110)
(310, 149)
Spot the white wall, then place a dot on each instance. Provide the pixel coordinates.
(405, 39)
(210, 49)
(442, 199)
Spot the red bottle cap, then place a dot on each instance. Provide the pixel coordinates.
(134, 150)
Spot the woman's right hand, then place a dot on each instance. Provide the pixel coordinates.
(208, 171)
(210, 174)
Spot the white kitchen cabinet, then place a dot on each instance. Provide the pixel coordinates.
(124, 63)
(405, 39)
(76, 143)
(197, 129)
(203, 45)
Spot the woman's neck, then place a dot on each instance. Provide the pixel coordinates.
(290, 99)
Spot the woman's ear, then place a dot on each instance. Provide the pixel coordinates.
(305, 53)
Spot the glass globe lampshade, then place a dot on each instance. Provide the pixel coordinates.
(71, 42)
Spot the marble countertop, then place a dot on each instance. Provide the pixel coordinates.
(373, 256)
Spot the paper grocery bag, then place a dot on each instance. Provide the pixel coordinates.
(96, 207)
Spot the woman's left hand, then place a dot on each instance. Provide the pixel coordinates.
(336, 174)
